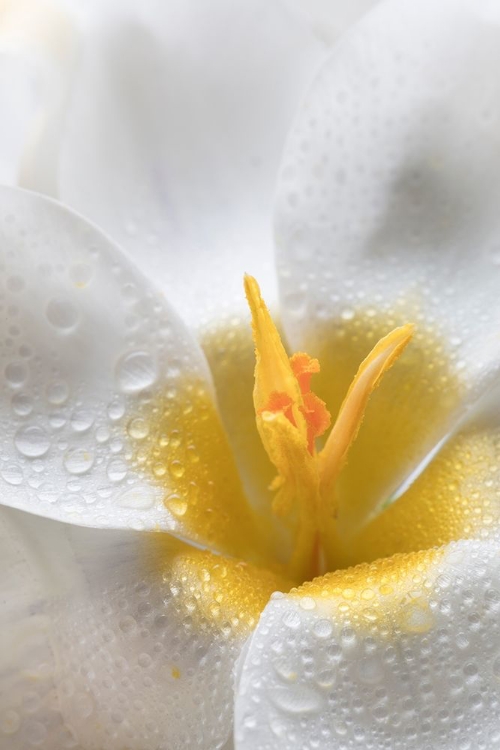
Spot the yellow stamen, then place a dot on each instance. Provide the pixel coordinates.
(290, 417)
(287, 421)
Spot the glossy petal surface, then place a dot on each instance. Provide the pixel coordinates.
(403, 653)
(108, 417)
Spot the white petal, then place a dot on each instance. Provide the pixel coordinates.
(387, 213)
(390, 180)
(114, 639)
(173, 137)
(402, 654)
(106, 404)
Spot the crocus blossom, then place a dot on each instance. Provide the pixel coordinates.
(188, 565)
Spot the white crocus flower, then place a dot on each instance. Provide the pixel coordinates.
(140, 545)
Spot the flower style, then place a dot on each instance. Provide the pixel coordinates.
(181, 570)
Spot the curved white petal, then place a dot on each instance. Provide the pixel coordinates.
(402, 654)
(173, 135)
(114, 639)
(390, 180)
(106, 410)
(387, 213)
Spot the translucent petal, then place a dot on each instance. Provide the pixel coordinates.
(402, 653)
(173, 134)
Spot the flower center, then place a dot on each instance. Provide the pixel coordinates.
(290, 417)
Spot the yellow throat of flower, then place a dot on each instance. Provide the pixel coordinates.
(290, 417)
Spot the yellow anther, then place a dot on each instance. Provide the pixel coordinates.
(273, 372)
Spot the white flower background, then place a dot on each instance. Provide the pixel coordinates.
(348, 156)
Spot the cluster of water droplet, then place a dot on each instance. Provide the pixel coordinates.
(145, 670)
(401, 654)
(86, 345)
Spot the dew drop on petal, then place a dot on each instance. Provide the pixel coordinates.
(81, 420)
(138, 428)
(299, 699)
(12, 474)
(21, 404)
(370, 670)
(15, 374)
(32, 441)
(176, 505)
(136, 371)
(117, 470)
(78, 461)
(62, 314)
(139, 498)
(57, 392)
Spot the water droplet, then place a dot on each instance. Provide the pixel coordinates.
(176, 469)
(140, 498)
(15, 374)
(21, 404)
(82, 420)
(138, 428)
(117, 470)
(127, 624)
(136, 371)
(307, 602)
(370, 670)
(176, 505)
(57, 392)
(159, 470)
(291, 619)
(116, 409)
(322, 629)
(78, 461)
(62, 314)
(102, 434)
(299, 699)
(416, 618)
(12, 474)
(32, 441)
(36, 733)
